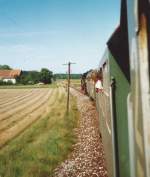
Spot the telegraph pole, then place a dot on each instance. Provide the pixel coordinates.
(68, 87)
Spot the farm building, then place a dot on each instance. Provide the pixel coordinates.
(9, 75)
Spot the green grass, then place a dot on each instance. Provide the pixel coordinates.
(37, 151)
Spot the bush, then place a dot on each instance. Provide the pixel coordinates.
(6, 83)
(46, 76)
(1, 82)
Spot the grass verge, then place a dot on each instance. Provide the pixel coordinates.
(37, 151)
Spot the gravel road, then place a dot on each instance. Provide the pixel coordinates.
(87, 158)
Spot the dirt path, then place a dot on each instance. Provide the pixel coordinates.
(87, 158)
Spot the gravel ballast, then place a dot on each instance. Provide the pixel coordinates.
(87, 158)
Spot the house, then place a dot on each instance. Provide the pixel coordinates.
(9, 75)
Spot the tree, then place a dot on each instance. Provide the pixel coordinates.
(29, 77)
(65, 76)
(46, 76)
(34, 77)
(3, 67)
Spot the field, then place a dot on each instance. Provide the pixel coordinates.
(27, 86)
(35, 132)
(75, 83)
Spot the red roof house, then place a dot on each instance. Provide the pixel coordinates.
(9, 75)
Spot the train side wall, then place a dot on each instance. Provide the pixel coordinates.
(121, 91)
(104, 112)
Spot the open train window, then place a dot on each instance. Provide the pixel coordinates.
(106, 76)
(100, 75)
(104, 65)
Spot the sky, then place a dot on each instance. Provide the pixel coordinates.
(48, 33)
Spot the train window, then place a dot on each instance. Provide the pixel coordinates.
(101, 75)
(106, 77)
(104, 65)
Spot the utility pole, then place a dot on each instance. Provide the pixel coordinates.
(68, 87)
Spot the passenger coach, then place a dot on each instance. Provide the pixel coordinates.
(124, 102)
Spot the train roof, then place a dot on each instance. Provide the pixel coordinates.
(118, 42)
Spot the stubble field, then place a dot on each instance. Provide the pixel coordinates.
(35, 132)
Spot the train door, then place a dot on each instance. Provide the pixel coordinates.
(120, 89)
(120, 73)
(139, 101)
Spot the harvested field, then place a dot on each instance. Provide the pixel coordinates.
(36, 134)
(19, 109)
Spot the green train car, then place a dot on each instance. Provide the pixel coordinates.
(124, 102)
(139, 98)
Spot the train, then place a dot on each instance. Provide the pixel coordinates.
(120, 87)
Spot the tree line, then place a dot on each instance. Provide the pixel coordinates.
(2, 67)
(44, 76)
(65, 76)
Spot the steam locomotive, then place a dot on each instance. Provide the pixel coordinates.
(123, 102)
